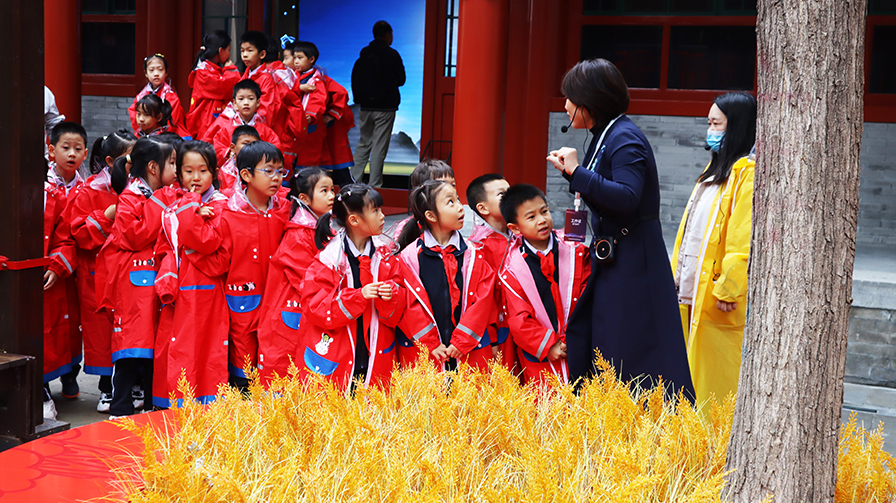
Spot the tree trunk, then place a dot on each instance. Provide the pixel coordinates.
(805, 207)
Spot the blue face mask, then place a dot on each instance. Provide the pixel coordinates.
(714, 139)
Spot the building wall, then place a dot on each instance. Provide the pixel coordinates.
(101, 115)
(678, 146)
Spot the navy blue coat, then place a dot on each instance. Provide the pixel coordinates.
(629, 309)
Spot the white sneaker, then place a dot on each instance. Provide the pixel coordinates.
(50, 410)
(114, 417)
(105, 403)
(137, 397)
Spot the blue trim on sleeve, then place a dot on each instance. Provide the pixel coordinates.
(234, 370)
(64, 369)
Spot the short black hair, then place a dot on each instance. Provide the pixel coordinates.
(258, 40)
(381, 29)
(153, 105)
(170, 138)
(306, 47)
(430, 169)
(249, 85)
(257, 152)
(244, 130)
(597, 86)
(476, 189)
(515, 197)
(67, 127)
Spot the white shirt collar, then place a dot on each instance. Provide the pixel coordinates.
(534, 250)
(354, 249)
(429, 241)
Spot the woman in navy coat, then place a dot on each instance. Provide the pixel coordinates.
(629, 309)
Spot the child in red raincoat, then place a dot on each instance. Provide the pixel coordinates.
(311, 194)
(250, 229)
(155, 68)
(312, 90)
(62, 334)
(484, 197)
(352, 297)
(212, 81)
(92, 208)
(542, 279)
(450, 277)
(336, 154)
(127, 266)
(195, 312)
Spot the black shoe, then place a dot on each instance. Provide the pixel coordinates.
(70, 387)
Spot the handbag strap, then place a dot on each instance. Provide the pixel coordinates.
(625, 230)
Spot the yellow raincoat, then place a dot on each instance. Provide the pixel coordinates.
(714, 338)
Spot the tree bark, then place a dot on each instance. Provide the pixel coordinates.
(805, 208)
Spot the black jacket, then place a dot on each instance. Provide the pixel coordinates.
(376, 77)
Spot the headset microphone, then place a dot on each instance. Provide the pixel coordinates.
(564, 129)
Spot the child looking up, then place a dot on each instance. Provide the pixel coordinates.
(250, 228)
(484, 197)
(92, 208)
(127, 267)
(212, 81)
(253, 51)
(351, 298)
(428, 169)
(193, 338)
(242, 112)
(152, 114)
(311, 194)
(62, 336)
(449, 277)
(229, 175)
(155, 68)
(543, 278)
(312, 91)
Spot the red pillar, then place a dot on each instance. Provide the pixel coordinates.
(62, 55)
(478, 144)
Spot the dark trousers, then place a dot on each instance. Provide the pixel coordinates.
(105, 384)
(127, 372)
(341, 177)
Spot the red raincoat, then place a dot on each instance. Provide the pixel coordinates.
(327, 335)
(193, 337)
(90, 228)
(220, 133)
(127, 268)
(212, 91)
(337, 151)
(178, 121)
(269, 102)
(281, 311)
(526, 316)
(249, 240)
(309, 146)
(495, 245)
(62, 331)
(289, 122)
(477, 302)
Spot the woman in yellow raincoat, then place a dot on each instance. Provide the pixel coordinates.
(710, 256)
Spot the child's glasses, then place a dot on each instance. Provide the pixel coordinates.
(271, 172)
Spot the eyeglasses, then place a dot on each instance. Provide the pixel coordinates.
(271, 172)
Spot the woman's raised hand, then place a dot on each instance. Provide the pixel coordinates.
(566, 159)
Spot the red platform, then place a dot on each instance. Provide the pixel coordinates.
(73, 465)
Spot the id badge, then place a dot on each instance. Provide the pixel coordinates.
(576, 225)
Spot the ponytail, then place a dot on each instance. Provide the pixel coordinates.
(323, 233)
(303, 183)
(119, 174)
(154, 106)
(422, 199)
(211, 43)
(353, 198)
(112, 145)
